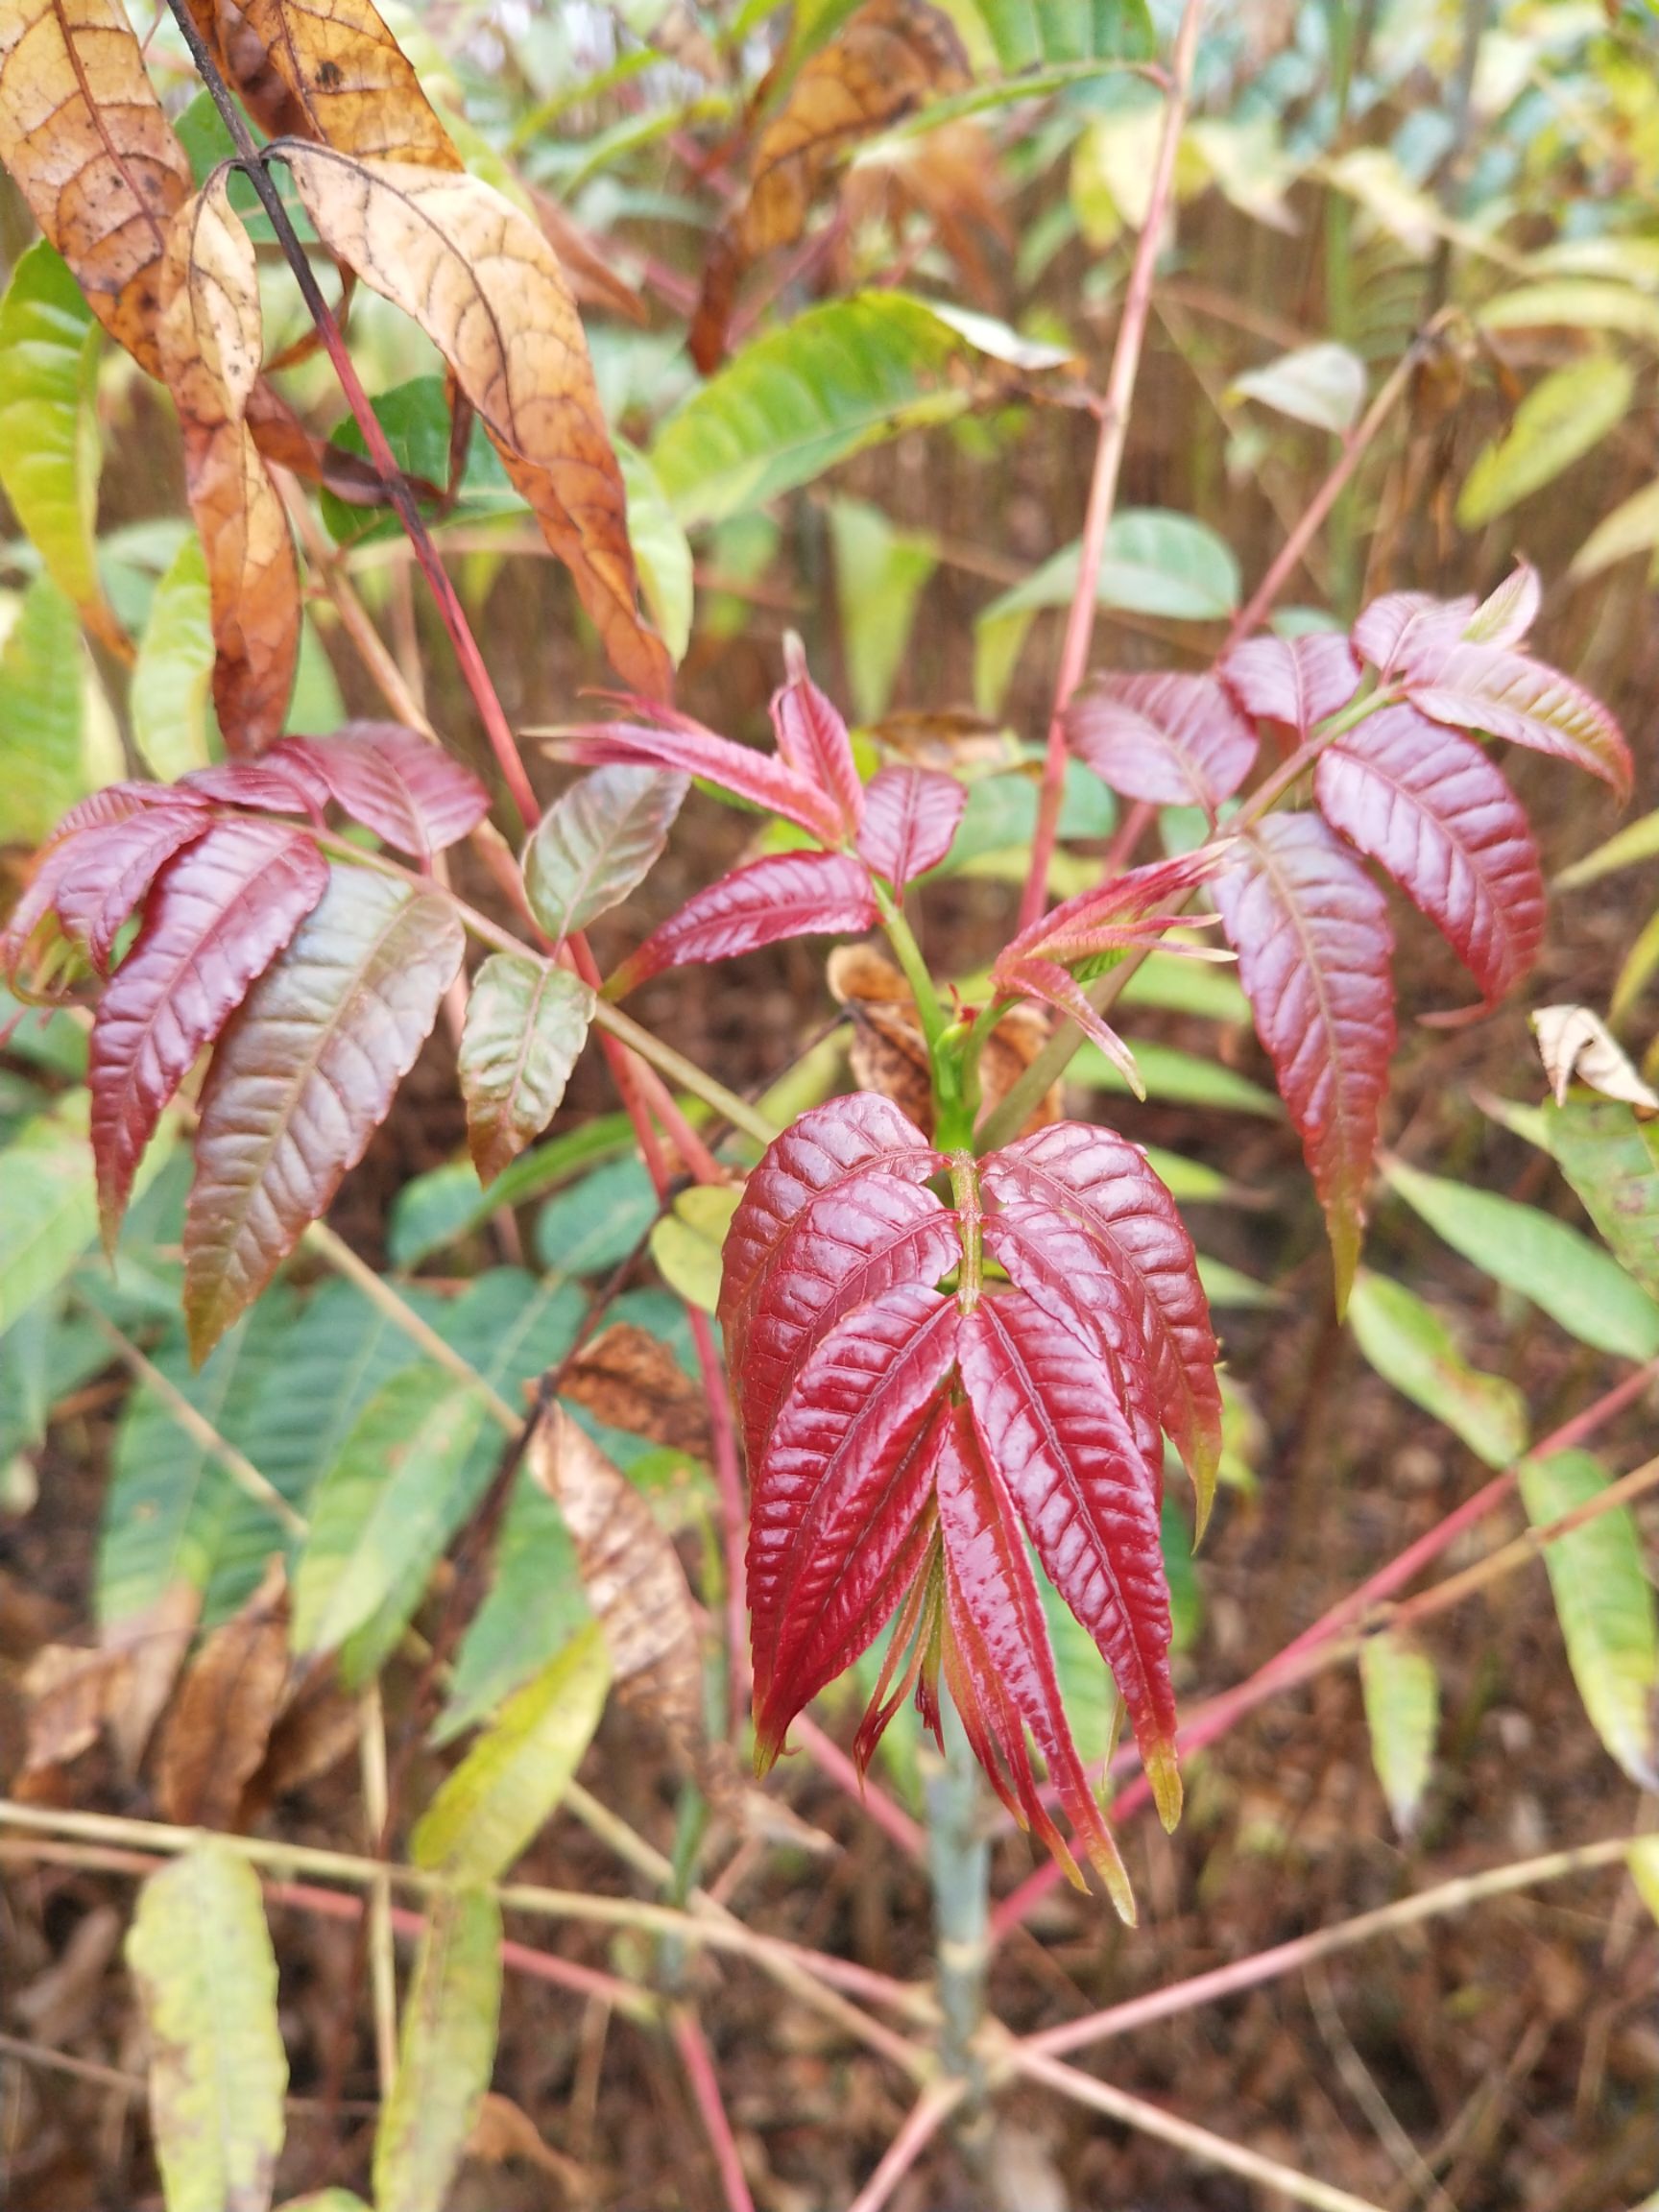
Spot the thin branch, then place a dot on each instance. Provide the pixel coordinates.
(923, 2121)
(704, 2084)
(382, 1970)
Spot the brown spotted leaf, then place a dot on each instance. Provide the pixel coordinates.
(83, 137)
(215, 1737)
(629, 1379)
(488, 290)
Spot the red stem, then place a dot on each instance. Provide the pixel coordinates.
(694, 2056)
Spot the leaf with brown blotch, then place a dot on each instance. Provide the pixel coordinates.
(83, 137)
(210, 337)
(487, 288)
(890, 56)
(629, 1379)
(303, 1077)
(635, 1582)
(215, 1736)
(155, 1643)
(527, 1024)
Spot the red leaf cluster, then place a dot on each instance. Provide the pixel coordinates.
(913, 1425)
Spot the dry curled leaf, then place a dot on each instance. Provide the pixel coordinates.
(629, 1379)
(86, 143)
(214, 1739)
(487, 288)
(71, 1690)
(154, 1644)
(890, 1055)
(504, 2132)
(1576, 1047)
(890, 57)
(318, 1726)
(210, 337)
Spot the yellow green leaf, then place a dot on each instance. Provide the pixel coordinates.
(49, 449)
(444, 2060)
(1560, 419)
(1401, 1695)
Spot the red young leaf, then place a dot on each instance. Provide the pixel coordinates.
(1296, 681)
(1049, 1420)
(785, 895)
(96, 875)
(1311, 933)
(1508, 695)
(218, 916)
(910, 821)
(772, 785)
(1411, 633)
(998, 1663)
(302, 1078)
(1134, 908)
(812, 739)
(1105, 1187)
(837, 1526)
(280, 782)
(394, 782)
(1027, 975)
(1172, 740)
(1505, 616)
(1431, 807)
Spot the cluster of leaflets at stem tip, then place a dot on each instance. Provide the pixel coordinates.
(945, 1367)
(1388, 721)
(313, 981)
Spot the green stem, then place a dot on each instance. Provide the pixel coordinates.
(903, 939)
(959, 1861)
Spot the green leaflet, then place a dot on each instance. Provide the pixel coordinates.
(43, 767)
(174, 725)
(1182, 1078)
(1410, 1346)
(686, 1244)
(445, 2060)
(487, 1810)
(201, 1955)
(1561, 1271)
(1323, 385)
(597, 841)
(1632, 527)
(48, 1204)
(880, 572)
(1612, 1162)
(1605, 1606)
(1028, 32)
(659, 549)
(1401, 1695)
(1645, 1872)
(527, 1024)
(49, 445)
(591, 1228)
(1562, 418)
(416, 418)
(536, 1604)
(439, 1208)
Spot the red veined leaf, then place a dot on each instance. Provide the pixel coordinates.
(1431, 807)
(596, 842)
(1411, 633)
(769, 784)
(1049, 1420)
(216, 918)
(812, 739)
(401, 786)
(526, 1022)
(1508, 695)
(1172, 740)
(279, 782)
(1106, 1187)
(910, 822)
(1296, 681)
(836, 1527)
(828, 1146)
(302, 1078)
(843, 1249)
(785, 895)
(998, 1663)
(1505, 616)
(1122, 913)
(99, 862)
(1027, 975)
(1311, 933)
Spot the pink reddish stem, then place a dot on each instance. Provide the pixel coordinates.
(694, 2056)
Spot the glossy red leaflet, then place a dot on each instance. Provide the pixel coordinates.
(1507, 694)
(812, 739)
(1408, 634)
(1295, 681)
(785, 895)
(1171, 740)
(911, 817)
(769, 785)
(401, 786)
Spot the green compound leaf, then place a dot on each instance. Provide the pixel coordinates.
(49, 1205)
(201, 1955)
(1612, 1162)
(1402, 1694)
(536, 1604)
(1605, 1606)
(49, 446)
(42, 716)
(1560, 419)
(527, 1024)
(1028, 33)
(174, 725)
(444, 2061)
(1410, 1346)
(596, 842)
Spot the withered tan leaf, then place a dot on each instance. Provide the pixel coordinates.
(154, 1644)
(317, 1727)
(214, 1738)
(1576, 1045)
(504, 2132)
(83, 137)
(70, 1688)
(890, 57)
(630, 1380)
(211, 335)
(486, 287)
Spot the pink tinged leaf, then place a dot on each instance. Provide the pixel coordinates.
(1509, 695)
(1431, 807)
(110, 875)
(812, 739)
(1296, 681)
(785, 895)
(302, 1079)
(1104, 1185)
(1409, 634)
(999, 1666)
(219, 915)
(864, 1134)
(1171, 740)
(771, 786)
(837, 1526)
(1123, 913)
(74, 843)
(845, 1248)
(526, 1024)
(392, 781)
(1049, 1422)
(1505, 616)
(910, 821)
(280, 783)
(1311, 933)
(1024, 975)
(596, 843)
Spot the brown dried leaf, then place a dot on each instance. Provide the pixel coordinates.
(630, 1380)
(593, 278)
(635, 1582)
(85, 139)
(71, 1689)
(949, 738)
(488, 290)
(210, 338)
(504, 2130)
(1576, 1047)
(890, 1055)
(65, 2000)
(317, 1727)
(215, 1737)
(948, 175)
(889, 58)
(154, 1644)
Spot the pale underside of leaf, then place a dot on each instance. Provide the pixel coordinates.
(1172, 740)
(526, 1024)
(327, 71)
(597, 842)
(784, 895)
